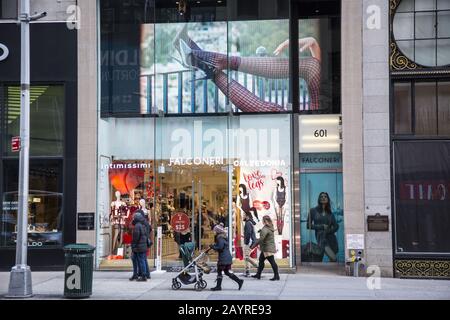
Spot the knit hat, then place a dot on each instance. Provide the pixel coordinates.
(218, 228)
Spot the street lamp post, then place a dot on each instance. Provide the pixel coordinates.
(20, 277)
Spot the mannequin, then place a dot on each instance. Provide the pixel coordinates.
(142, 206)
(119, 212)
(280, 198)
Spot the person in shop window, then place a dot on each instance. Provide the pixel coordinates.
(323, 222)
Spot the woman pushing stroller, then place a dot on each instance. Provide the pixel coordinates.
(225, 260)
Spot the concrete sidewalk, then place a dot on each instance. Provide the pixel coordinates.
(116, 286)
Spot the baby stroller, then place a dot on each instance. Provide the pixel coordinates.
(200, 267)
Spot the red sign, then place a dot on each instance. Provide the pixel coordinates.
(425, 190)
(15, 144)
(180, 222)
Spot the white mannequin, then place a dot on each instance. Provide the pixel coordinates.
(117, 217)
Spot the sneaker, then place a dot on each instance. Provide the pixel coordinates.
(142, 279)
(133, 278)
(256, 276)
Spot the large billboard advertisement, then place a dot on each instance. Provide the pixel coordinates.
(239, 66)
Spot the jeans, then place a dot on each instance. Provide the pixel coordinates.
(248, 260)
(140, 264)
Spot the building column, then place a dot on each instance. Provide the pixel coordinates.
(352, 118)
(377, 177)
(87, 115)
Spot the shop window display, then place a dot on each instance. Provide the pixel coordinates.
(45, 211)
(132, 188)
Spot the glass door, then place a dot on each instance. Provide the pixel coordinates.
(322, 223)
(191, 186)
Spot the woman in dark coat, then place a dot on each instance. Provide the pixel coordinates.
(225, 260)
(322, 221)
(139, 247)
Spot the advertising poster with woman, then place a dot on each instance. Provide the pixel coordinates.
(265, 191)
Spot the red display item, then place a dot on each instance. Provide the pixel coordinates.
(127, 238)
(285, 248)
(266, 205)
(258, 205)
(125, 180)
(180, 222)
(254, 254)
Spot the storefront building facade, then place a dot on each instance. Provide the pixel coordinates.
(53, 138)
(420, 133)
(213, 133)
(260, 107)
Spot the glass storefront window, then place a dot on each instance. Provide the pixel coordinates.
(8, 9)
(402, 106)
(45, 211)
(425, 107)
(422, 202)
(227, 57)
(46, 119)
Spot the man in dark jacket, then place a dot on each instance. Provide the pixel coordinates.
(139, 246)
(225, 260)
(249, 239)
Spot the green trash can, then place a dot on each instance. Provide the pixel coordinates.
(78, 270)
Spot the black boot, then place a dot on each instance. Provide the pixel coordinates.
(218, 286)
(276, 275)
(240, 282)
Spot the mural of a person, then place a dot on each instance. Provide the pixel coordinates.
(279, 200)
(323, 222)
(213, 64)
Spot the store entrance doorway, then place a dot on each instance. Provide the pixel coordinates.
(190, 201)
(322, 229)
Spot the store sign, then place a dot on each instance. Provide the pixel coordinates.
(4, 52)
(425, 190)
(180, 222)
(321, 161)
(15, 144)
(320, 133)
(355, 241)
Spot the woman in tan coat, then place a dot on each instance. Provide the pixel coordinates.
(266, 243)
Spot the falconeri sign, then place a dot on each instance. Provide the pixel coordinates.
(4, 52)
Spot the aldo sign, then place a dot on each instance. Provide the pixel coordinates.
(4, 52)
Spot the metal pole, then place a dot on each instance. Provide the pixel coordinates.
(200, 215)
(20, 285)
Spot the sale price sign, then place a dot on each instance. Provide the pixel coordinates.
(180, 222)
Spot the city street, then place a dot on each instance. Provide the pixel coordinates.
(302, 286)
